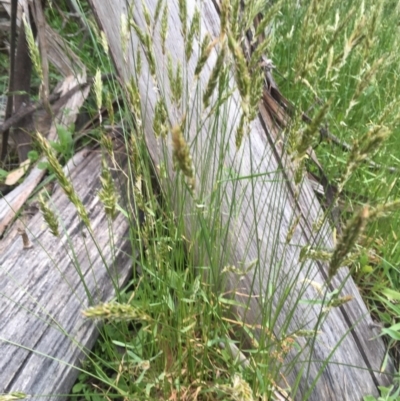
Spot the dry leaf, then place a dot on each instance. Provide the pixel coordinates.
(15, 175)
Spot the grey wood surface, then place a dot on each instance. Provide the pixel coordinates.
(43, 334)
(265, 208)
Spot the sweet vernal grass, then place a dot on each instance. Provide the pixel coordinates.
(187, 324)
(169, 334)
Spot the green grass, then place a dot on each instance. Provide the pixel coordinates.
(169, 333)
(304, 79)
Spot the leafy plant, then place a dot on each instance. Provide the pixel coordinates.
(387, 394)
(65, 144)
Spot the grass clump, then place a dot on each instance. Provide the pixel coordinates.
(176, 331)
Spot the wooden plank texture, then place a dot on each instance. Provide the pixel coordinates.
(43, 334)
(265, 213)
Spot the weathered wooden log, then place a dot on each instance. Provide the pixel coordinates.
(43, 335)
(346, 358)
(43, 289)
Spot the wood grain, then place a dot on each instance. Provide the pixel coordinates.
(43, 335)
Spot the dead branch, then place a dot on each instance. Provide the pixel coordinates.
(28, 110)
(23, 70)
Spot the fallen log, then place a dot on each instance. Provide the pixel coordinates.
(43, 289)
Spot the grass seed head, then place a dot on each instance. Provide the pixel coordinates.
(107, 145)
(157, 11)
(256, 90)
(134, 154)
(307, 333)
(234, 18)
(49, 216)
(13, 396)
(194, 31)
(124, 34)
(110, 109)
(384, 210)
(292, 229)
(205, 50)
(146, 15)
(224, 17)
(310, 253)
(104, 42)
(242, 74)
(183, 17)
(336, 302)
(98, 90)
(361, 150)
(213, 80)
(134, 99)
(353, 230)
(268, 17)
(139, 62)
(33, 49)
(65, 184)
(164, 27)
(114, 311)
(181, 154)
(107, 194)
(175, 81)
(241, 390)
(310, 132)
(240, 131)
(160, 122)
(145, 39)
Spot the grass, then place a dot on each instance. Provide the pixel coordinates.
(171, 333)
(364, 93)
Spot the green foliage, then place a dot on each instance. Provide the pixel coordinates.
(387, 394)
(65, 144)
(33, 155)
(3, 174)
(63, 147)
(344, 54)
(84, 389)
